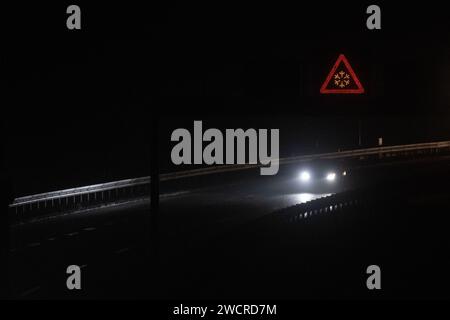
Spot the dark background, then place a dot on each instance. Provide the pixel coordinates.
(79, 104)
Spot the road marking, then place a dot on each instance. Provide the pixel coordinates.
(71, 234)
(30, 291)
(120, 251)
(34, 244)
(51, 239)
(89, 229)
(174, 194)
(83, 266)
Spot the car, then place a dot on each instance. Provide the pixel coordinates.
(321, 172)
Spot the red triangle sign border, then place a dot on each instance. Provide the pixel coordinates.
(343, 59)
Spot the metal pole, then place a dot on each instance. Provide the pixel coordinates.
(154, 189)
(359, 133)
(5, 199)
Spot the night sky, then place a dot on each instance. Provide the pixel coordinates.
(80, 103)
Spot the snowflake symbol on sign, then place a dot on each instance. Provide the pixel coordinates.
(341, 79)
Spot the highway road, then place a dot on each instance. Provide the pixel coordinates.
(42, 250)
(214, 241)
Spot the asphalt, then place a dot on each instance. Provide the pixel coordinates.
(215, 241)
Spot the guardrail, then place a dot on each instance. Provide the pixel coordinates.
(330, 204)
(389, 150)
(76, 198)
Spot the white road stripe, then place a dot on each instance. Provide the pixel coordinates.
(174, 194)
(30, 291)
(121, 250)
(89, 229)
(71, 234)
(34, 244)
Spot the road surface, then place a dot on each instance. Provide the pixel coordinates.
(211, 247)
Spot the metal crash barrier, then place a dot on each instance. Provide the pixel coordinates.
(78, 198)
(119, 191)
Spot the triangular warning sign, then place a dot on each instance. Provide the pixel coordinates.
(342, 79)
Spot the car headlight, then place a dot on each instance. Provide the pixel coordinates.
(331, 176)
(305, 176)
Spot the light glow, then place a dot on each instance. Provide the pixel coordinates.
(331, 176)
(305, 176)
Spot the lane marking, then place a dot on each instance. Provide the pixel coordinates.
(30, 291)
(89, 229)
(72, 234)
(34, 244)
(83, 266)
(174, 194)
(51, 239)
(120, 251)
